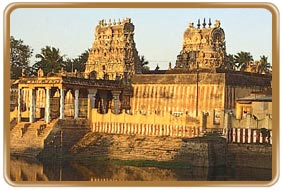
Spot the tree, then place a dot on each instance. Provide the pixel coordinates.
(144, 64)
(50, 60)
(230, 62)
(19, 57)
(77, 63)
(242, 60)
(264, 66)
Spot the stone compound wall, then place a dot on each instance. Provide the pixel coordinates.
(249, 155)
(149, 125)
(177, 93)
(74, 139)
(203, 152)
(249, 136)
(169, 94)
(145, 129)
(197, 152)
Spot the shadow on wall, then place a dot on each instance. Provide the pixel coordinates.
(207, 151)
(63, 136)
(202, 152)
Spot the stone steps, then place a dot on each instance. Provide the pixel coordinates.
(30, 143)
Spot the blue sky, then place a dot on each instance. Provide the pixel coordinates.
(158, 32)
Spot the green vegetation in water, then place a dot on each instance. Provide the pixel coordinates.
(152, 163)
(137, 163)
(206, 137)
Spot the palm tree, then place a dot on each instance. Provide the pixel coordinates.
(77, 63)
(242, 60)
(50, 60)
(264, 66)
(144, 64)
(230, 63)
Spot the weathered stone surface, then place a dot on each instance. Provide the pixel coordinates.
(28, 139)
(113, 54)
(196, 152)
(165, 94)
(249, 155)
(202, 48)
(65, 135)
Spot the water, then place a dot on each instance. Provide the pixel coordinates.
(31, 169)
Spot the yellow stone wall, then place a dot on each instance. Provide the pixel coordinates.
(139, 118)
(172, 94)
(165, 99)
(147, 125)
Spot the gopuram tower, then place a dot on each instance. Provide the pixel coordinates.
(113, 55)
(203, 47)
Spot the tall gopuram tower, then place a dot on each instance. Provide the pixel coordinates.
(203, 47)
(113, 55)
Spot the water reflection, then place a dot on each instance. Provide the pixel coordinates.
(30, 169)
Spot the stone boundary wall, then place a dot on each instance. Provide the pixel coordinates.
(196, 151)
(249, 155)
(249, 136)
(146, 129)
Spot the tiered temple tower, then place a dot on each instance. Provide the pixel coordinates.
(113, 54)
(203, 47)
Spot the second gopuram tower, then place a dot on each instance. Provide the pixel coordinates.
(113, 55)
(203, 47)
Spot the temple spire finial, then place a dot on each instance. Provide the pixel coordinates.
(198, 23)
(210, 22)
(204, 23)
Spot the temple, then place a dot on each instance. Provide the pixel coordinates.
(196, 95)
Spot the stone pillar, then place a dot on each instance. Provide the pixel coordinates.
(76, 109)
(62, 103)
(19, 105)
(116, 101)
(266, 121)
(32, 107)
(248, 123)
(91, 102)
(47, 105)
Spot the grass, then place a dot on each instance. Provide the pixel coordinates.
(137, 163)
(152, 163)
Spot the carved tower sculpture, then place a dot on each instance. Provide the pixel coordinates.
(203, 48)
(113, 55)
